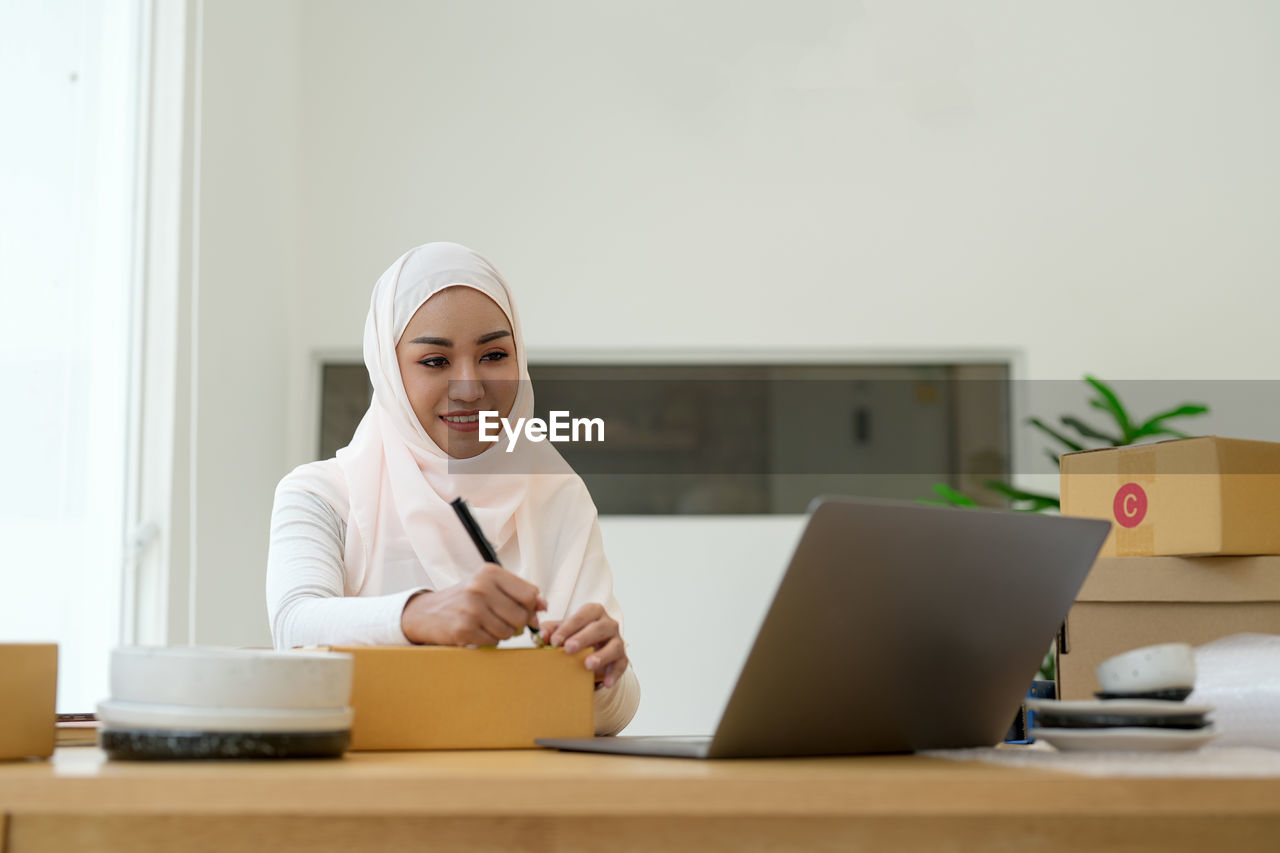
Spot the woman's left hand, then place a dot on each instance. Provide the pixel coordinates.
(592, 626)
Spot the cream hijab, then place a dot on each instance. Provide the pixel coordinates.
(397, 483)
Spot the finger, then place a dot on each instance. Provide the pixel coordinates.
(595, 634)
(599, 660)
(499, 590)
(519, 590)
(476, 635)
(511, 613)
(547, 629)
(616, 669)
(613, 672)
(493, 624)
(586, 614)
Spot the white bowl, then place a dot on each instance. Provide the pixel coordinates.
(206, 677)
(1149, 668)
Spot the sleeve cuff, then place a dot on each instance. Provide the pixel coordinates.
(395, 604)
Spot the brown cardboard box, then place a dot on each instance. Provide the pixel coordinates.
(1128, 602)
(28, 702)
(438, 697)
(1204, 495)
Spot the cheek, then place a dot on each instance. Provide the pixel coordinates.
(423, 391)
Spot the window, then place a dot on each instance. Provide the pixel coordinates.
(68, 154)
(750, 439)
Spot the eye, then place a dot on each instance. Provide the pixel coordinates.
(497, 355)
(434, 361)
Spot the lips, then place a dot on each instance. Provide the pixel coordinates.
(462, 421)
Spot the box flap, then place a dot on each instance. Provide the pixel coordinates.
(1183, 579)
(1129, 447)
(1229, 455)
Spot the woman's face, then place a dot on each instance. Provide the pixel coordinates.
(457, 358)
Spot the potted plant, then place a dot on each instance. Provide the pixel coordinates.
(1071, 434)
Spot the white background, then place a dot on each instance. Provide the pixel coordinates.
(68, 125)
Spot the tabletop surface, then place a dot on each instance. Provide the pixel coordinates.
(544, 782)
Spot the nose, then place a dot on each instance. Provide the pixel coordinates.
(466, 390)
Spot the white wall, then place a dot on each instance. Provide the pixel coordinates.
(246, 262)
(1090, 185)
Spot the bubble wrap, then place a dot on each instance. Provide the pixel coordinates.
(1233, 762)
(1240, 676)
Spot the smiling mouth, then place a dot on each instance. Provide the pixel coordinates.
(462, 421)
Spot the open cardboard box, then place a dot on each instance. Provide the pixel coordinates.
(28, 702)
(1205, 495)
(441, 697)
(1128, 602)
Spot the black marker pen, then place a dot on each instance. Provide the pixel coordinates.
(486, 550)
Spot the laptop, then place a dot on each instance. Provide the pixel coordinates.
(897, 627)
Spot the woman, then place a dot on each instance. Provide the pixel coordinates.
(365, 548)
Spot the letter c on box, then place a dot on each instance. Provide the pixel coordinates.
(1130, 505)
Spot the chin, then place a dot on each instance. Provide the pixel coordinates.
(456, 450)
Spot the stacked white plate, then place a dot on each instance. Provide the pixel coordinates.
(1145, 725)
(192, 702)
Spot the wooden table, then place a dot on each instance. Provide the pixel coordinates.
(540, 801)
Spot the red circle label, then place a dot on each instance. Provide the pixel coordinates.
(1130, 505)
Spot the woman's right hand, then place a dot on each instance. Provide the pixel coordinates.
(491, 605)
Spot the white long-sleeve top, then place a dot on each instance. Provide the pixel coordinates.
(307, 607)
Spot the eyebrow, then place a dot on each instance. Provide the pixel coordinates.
(446, 342)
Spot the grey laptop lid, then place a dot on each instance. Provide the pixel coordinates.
(897, 627)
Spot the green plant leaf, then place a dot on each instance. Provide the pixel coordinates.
(1155, 424)
(1186, 410)
(1043, 427)
(1057, 460)
(1110, 403)
(1087, 431)
(951, 496)
(1103, 406)
(1047, 666)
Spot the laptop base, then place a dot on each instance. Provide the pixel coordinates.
(656, 745)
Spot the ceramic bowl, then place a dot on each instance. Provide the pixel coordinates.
(207, 677)
(1149, 668)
